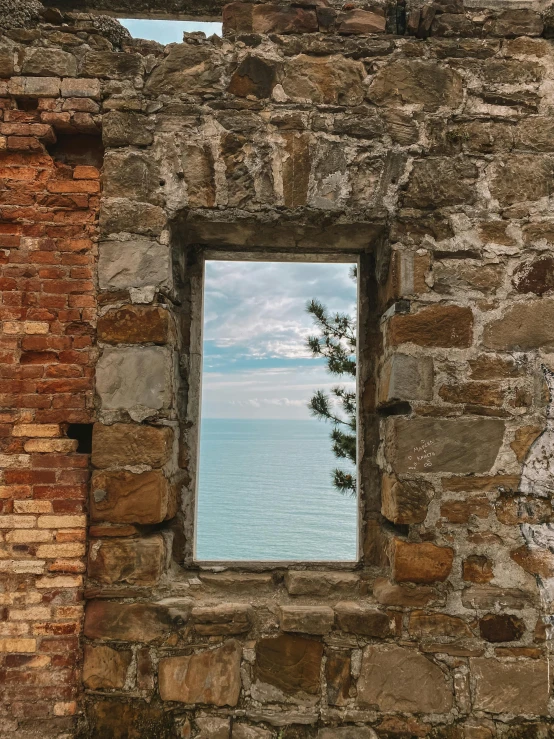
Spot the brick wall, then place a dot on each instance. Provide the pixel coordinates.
(48, 213)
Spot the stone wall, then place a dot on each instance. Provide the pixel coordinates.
(420, 139)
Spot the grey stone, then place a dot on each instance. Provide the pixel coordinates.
(49, 63)
(399, 679)
(131, 174)
(347, 732)
(523, 326)
(242, 731)
(121, 128)
(134, 378)
(307, 619)
(320, 583)
(444, 445)
(407, 378)
(112, 64)
(137, 263)
(186, 69)
(120, 214)
(214, 728)
(520, 687)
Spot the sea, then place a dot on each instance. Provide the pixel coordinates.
(266, 493)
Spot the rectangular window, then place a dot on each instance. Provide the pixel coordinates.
(277, 472)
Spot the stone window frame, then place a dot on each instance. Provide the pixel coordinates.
(190, 288)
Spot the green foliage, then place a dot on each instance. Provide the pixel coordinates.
(336, 342)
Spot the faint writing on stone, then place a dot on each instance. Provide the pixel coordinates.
(421, 455)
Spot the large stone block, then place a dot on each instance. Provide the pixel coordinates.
(113, 719)
(187, 69)
(402, 680)
(138, 379)
(7, 58)
(523, 326)
(416, 82)
(126, 497)
(521, 177)
(136, 263)
(122, 128)
(112, 64)
(438, 325)
(406, 378)
(254, 76)
(421, 563)
(307, 619)
(119, 215)
(357, 618)
(105, 668)
(210, 677)
(521, 687)
(126, 444)
(423, 624)
(134, 324)
(405, 501)
(362, 21)
(290, 663)
(301, 582)
(444, 445)
(268, 18)
(536, 276)
(223, 619)
(132, 561)
(441, 182)
(391, 594)
(140, 622)
(46, 62)
(128, 173)
(347, 732)
(331, 80)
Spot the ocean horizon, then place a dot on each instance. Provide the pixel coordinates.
(265, 492)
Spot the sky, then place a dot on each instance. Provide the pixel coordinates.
(167, 32)
(256, 364)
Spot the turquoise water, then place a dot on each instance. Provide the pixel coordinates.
(265, 493)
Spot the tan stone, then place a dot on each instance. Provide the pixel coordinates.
(307, 619)
(476, 393)
(522, 327)
(418, 82)
(190, 69)
(126, 444)
(338, 677)
(513, 510)
(331, 80)
(444, 445)
(296, 168)
(523, 440)
(399, 679)
(290, 663)
(242, 731)
(391, 594)
(421, 563)
(105, 668)
(213, 728)
(520, 177)
(132, 561)
(482, 484)
(362, 21)
(518, 688)
(441, 182)
(490, 597)
(125, 497)
(405, 501)
(270, 18)
(226, 618)
(321, 584)
(210, 677)
(477, 568)
(438, 325)
(460, 511)
(134, 324)
(535, 561)
(357, 618)
(438, 624)
(139, 622)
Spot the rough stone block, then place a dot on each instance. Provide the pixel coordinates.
(402, 680)
(391, 594)
(307, 619)
(132, 561)
(119, 215)
(338, 677)
(322, 584)
(362, 21)
(518, 688)
(406, 378)
(347, 732)
(112, 65)
(126, 497)
(80, 88)
(138, 380)
(121, 128)
(441, 182)
(228, 618)
(126, 444)
(478, 569)
(416, 82)
(491, 597)
(438, 325)
(105, 668)
(268, 18)
(523, 327)
(209, 677)
(357, 618)
(290, 663)
(421, 563)
(423, 624)
(140, 622)
(46, 62)
(253, 76)
(211, 727)
(134, 324)
(521, 177)
(136, 263)
(242, 731)
(444, 445)
(187, 69)
(6, 62)
(405, 501)
(324, 80)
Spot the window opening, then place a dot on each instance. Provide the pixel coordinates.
(269, 474)
(167, 31)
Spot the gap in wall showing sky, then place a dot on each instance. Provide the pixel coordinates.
(167, 32)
